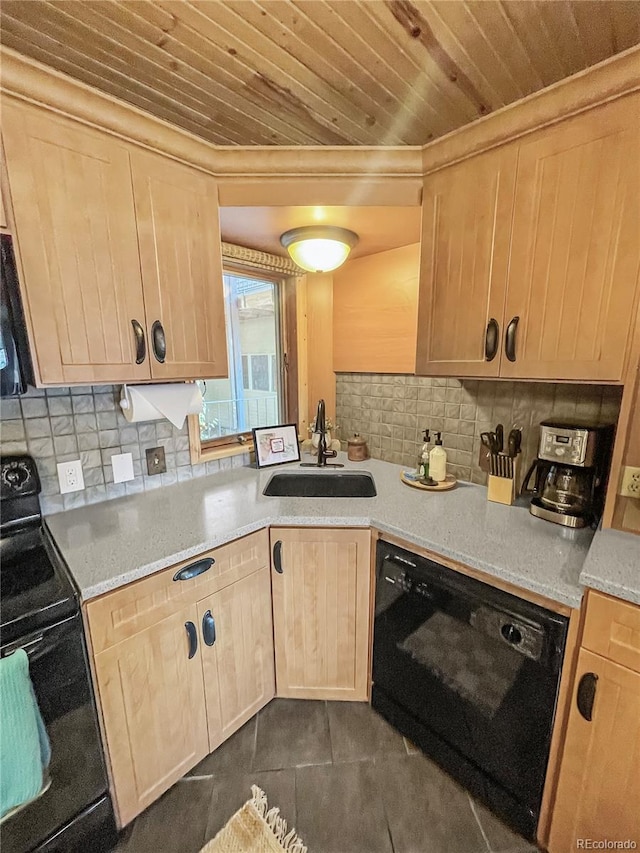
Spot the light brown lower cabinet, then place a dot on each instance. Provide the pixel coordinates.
(238, 664)
(181, 660)
(153, 706)
(321, 584)
(598, 794)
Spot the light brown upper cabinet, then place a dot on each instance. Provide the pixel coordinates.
(466, 226)
(575, 248)
(120, 255)
(321, 581)
(77, 241)
(179, 234)
(540, 281)
(375, 306)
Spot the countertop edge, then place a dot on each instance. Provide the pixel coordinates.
(89, 593)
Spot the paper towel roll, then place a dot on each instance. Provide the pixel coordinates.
(152, 402)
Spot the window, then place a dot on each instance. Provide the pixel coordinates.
(253, 395)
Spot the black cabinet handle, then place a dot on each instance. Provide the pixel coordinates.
(159, 342)
(586, 694)
(491, 339)
(277, 556)
(194, 569)
(209, 628)
(510, 339)
(192, 634)
(141, 347)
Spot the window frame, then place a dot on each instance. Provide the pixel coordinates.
(285, 279)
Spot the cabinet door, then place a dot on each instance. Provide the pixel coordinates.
(599, 781)
(153, 707)
(237, 653)
(575, 251)
(77, 243)
(466, 226)
(180, 254)
(375, 306)
(321, 579)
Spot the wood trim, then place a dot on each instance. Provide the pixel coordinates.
(200, 453)
(330, 190)
(319, 320)
(101, 720)
(618, 510)
(491, 580)
(563, 706)
(611, 79)
(26, 79)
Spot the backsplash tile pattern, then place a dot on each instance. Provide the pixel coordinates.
(86, 423)
(391, 412)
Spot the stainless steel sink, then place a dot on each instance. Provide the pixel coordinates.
(323, 484)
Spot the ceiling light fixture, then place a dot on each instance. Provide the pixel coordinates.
(319, 248)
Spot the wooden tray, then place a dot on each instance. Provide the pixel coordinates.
(447, 484)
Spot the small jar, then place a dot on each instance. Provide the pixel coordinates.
(357, 450)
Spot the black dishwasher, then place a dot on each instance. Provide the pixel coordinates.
(470, 674)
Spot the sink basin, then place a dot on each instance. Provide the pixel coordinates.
(324, 484)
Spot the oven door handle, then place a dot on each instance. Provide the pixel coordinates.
(30, 648)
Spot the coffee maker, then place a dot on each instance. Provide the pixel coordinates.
(570, 472)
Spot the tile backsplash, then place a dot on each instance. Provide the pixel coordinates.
(86, 423)
(391, 412)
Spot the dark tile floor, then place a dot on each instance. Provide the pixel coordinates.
(347, 782)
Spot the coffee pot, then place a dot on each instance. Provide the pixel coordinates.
(570, 472)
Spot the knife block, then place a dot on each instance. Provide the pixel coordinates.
(503, 490)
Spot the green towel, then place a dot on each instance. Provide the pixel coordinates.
(24, 744)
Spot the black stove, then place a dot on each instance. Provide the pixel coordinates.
(40, 613)
(35, 589)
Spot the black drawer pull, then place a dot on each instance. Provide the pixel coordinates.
(277, 556)
(194, 569)
(141, 347)
(192, 634)
(491, 339)
(159, 341)
(510, 339)
(209, 628)
(586, 694)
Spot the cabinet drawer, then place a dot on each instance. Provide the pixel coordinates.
(612, 629)
(124, 612)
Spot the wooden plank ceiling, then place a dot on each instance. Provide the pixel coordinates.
(320, 72)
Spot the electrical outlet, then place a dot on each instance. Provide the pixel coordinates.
(156, 463)
(70, 476)
(630, 487)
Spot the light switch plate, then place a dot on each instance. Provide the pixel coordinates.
(122, 464)
(70, 476)
(156, 463)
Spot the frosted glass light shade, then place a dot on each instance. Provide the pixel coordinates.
(319, 248)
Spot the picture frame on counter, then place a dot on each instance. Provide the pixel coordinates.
(276, 445)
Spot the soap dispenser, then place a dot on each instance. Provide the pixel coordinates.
(438, 461)
(423, 459)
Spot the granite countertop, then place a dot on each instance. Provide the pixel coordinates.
(613, 565)
(110, 544)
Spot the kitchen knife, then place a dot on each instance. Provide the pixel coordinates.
(514, 442)
(499, 433)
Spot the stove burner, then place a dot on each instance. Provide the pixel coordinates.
(25, 564)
